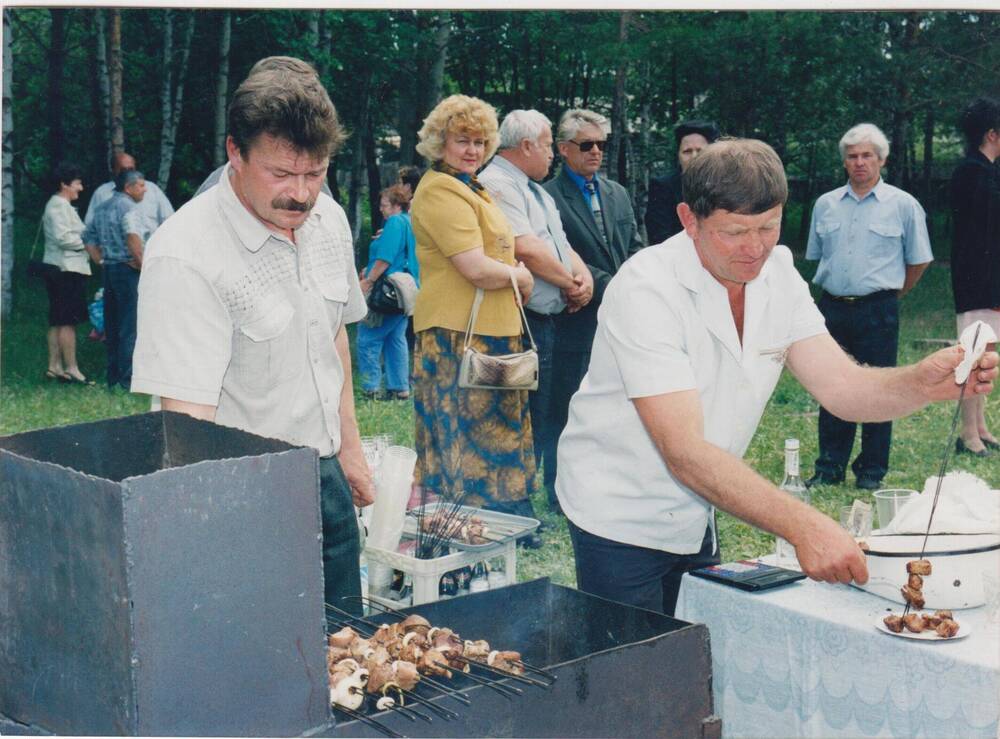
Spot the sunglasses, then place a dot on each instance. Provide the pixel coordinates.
(588, 145)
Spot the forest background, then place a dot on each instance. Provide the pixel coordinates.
(81, 83)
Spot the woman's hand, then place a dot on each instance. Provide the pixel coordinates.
(525, 282)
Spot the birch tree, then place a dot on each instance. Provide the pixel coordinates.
(102, 86)
(171, 96)
(115, 108)
(56, 62)
(7, 236)
(222, 87)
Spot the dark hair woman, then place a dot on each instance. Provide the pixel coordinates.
(64, 250)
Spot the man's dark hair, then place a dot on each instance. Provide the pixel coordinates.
(739, 175)
(126, 177)
(708, 129)
(410, 175)
(286, 105)
(981, 116)
(64, 174)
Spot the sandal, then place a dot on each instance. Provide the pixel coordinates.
(73, 380)
(50, 375)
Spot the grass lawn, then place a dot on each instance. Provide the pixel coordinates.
(27, 401)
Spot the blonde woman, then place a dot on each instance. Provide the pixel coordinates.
(476, 442)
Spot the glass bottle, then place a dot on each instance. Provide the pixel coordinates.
(792, 484)
(479, 581)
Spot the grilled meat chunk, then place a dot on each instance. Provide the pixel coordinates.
(918, 567)
(506, 661)
(915, 582)
(432, 662)
(943, 615)
(914, 622)
(914, 597)
(947, 628)
(893, 622)
(405, 674)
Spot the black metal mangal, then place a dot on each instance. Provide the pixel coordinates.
(160, 575)
(620, 671)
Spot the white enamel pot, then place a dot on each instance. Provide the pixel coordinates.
(958, 562)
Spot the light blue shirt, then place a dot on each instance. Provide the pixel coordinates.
(864, 246)
(581, 182)
(530, 210)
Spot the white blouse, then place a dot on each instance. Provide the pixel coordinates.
(63, 245)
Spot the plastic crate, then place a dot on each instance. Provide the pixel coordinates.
(426, 574)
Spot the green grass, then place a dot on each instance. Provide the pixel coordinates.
(29, 402)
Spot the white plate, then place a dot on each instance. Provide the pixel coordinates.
(927, 635)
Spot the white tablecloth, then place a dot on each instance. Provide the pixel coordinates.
(806, 660)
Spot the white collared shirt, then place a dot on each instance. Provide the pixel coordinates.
(665, 326)
(234, 315)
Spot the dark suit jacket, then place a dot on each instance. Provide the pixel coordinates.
(662, 221)
(575, 331)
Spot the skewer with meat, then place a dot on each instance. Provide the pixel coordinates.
(918, 567)
(506, 661)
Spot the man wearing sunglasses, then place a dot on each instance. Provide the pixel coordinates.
(599, 222)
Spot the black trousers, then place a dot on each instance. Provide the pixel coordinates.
(636, 576)
(568, 369)
(341, 543)
(868, 330)
(543, 330)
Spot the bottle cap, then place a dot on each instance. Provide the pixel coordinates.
(791, 445)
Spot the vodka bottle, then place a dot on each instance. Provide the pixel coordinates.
(792, 484)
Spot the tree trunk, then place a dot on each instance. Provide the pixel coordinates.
(619, 127)
(358, 162)
(222, 87)
(166, 89)
(374, 178)
(929, 199)
(168, 142)
(115, 81)
(103, 83)
(644, 153)
(312, 35)
(56, 62)
(7, 230)
(435, 84)
(326, 47)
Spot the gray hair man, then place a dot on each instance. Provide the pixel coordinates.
(600, 224)
(872, 245)
(562, 280)
(658, 428)
(246, 294)
(115, 239)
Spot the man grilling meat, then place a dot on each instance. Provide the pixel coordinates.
(692, 337)
(245, 294)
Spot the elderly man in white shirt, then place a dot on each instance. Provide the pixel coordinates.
(692, 335)
(154, 208)
(562, 280)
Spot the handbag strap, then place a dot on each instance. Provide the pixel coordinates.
(34, 244)
(478, 301)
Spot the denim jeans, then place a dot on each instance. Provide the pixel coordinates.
(341, 543)
(121, 300)
(387, 340)
(636, 576)
(868, 330)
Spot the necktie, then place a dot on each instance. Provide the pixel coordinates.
(595, 209)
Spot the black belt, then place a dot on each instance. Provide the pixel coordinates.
(539, 316)
(862, 298)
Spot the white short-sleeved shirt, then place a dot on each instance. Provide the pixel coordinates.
(665, 326)
(233, 315)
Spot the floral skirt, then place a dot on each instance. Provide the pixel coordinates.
(472, 441)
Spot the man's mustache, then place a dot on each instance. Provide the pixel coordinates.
(289, 204)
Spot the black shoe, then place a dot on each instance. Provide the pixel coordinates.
(961, 448)
(372, 394)
(399, 394)
(990, 444)
(531, 541)
(867, 483)
(824, 478)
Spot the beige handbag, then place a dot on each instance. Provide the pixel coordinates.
(506, 372)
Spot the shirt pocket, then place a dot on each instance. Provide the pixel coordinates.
(263, 353)
(886, 234)
(335, 294)
(828, 232)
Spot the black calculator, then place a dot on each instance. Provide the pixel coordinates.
(748, 574)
